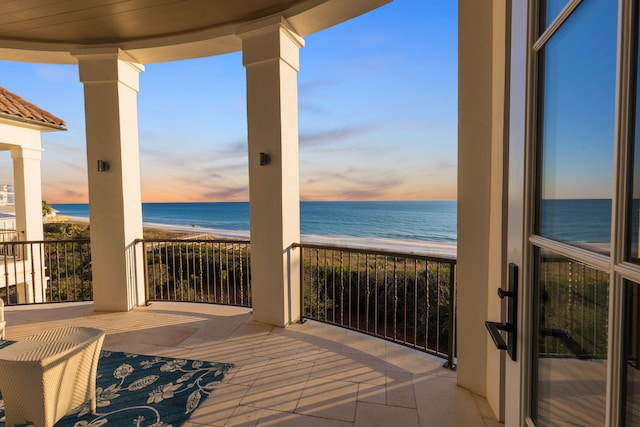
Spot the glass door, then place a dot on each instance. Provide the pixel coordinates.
(575, 89)
(574, 212)
(580, 192)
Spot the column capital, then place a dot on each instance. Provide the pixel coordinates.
(108, 65)
(270, 39)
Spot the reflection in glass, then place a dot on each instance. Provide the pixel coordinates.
(570, 376)
(633, 213)
(632, 353)
(583, 222)
(578, 77)
(551, 9)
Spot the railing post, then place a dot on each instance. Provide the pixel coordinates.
(6, 273)
(452, 318)
(146, 276)
(33, 276)
(301, 283)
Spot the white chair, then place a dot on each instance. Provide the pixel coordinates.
(45, 376)
(2, 322)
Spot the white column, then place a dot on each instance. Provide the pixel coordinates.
(28, 206)
(271, 58)
(28, 192)
(482, 191)
(110, 77)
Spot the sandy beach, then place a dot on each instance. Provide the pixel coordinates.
(416, 247)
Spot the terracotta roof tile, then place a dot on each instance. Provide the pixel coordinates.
(14, 106)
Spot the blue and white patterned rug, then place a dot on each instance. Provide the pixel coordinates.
(144, 391)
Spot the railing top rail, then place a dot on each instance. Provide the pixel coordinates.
(377, 252)
(28, 242)
(187, 240)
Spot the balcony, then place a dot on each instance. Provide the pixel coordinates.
(373, 355)
(306, 374)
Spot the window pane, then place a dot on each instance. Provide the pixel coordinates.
(570, 376)
(631, 373)
(551, 9)
(633, 229)
(578, 66)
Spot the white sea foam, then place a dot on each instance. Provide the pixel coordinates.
(416, 247)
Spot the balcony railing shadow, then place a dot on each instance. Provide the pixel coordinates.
(339, 376)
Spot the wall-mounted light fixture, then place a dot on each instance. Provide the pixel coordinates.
(103, 166)
(265, 159)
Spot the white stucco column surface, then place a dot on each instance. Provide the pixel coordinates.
(28, 190)
(110, 77)
(271, 57)
(482, 192)
(28, 206)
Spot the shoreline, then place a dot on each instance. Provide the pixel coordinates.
(415, 247)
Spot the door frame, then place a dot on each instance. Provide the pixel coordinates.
(519, 212)
(523, 136)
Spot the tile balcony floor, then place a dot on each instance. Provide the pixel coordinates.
(308, 374)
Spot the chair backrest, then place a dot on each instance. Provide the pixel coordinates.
(1, 310)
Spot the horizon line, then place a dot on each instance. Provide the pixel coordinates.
(301, 201)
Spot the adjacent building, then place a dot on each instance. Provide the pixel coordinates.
(21, 124)
(7, 195)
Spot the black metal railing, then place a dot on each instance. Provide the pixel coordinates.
(573, 309)
(404, 298)
(210, 271)
(45, 271)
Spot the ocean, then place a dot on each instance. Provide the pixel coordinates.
(580, 220)
(429, 221)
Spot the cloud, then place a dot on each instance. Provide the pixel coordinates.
(233, 193)
(362, 194)
(58, 73)
(352, 184)
(220, 170)
(194, 182)
(73, 166)
(441, 167)
(308, 89)
(334, 135)
(55, 145)
(307, 94)
(74, 195)
(306, 107)
(65, 193)
(174, 158)
(235, 149)
(372, 187)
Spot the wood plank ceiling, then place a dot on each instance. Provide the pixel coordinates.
(116, 21)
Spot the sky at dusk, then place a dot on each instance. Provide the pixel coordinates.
(377, 116)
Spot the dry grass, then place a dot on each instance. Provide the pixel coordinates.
(159, 233)
(148, 232)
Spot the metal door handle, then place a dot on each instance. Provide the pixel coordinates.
(502, 293)
(494, 329)
(511, 326)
